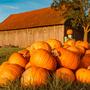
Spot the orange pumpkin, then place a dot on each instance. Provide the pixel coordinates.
(83, 44)
(74, 49)
(17, 58)
(44, 59)
(70, 42)
(83, 75)
(9, 73)
(87, 52)
(38, 45)
(85, 61)
(65, 74)
(25, 53)
(66, 46)
(69, 31)
(68, 59)
(34, 76)
(55, 44)
(28, 65)
(81, 49)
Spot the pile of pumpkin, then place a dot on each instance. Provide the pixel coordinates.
(69, 61)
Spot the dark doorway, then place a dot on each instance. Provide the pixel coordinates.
(78, 32)
(89, 37)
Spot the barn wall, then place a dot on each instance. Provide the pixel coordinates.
(25, 37)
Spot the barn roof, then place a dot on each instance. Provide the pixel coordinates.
(31, 19)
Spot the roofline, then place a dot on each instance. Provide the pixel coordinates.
(31, 27)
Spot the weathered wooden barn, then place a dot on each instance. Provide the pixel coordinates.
(25, 28)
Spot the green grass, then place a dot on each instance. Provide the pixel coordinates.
(5, 52)
(54, 84)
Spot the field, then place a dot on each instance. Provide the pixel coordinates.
(52, 85)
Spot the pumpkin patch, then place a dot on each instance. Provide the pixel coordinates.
(36, 64)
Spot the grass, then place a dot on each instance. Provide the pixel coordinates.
(54, 84)
(5, 52)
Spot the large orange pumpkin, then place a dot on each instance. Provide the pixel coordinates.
(68, 59)
(17, 58)
(9, 73)
(38, 45)
(83, 44)
(34, 76)
(83, 75)
(55, 44)
(44, 59)
(65, 74)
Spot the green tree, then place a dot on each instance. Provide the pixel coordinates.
(78, 11)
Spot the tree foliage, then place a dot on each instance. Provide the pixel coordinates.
(78, 10)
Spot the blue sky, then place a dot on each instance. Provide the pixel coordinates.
(8, 7)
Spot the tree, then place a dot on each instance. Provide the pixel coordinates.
(78, 11)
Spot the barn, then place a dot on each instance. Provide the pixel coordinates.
(25, 28)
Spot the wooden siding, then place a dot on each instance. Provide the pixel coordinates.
(25, 37)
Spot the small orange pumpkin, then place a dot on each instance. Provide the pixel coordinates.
(69, 31)
(83, 75)
(38, 45)
(17, 58)
(65, 74)
(34, 76)
(42, 58)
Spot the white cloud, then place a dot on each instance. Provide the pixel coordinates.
(10, 7)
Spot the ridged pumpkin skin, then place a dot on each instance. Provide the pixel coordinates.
(28, 65)
(68, 59)
(70, 42)
(34, 76)
(55, 44)
(38, 45)
(65, 74)
(81, 49)
(83, 75)
(74, 49)
(44, 59)
(25, 53)
(9, 73)
(85, 61)
(83, 44)
(17, 58)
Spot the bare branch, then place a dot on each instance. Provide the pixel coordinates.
(88, 30)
